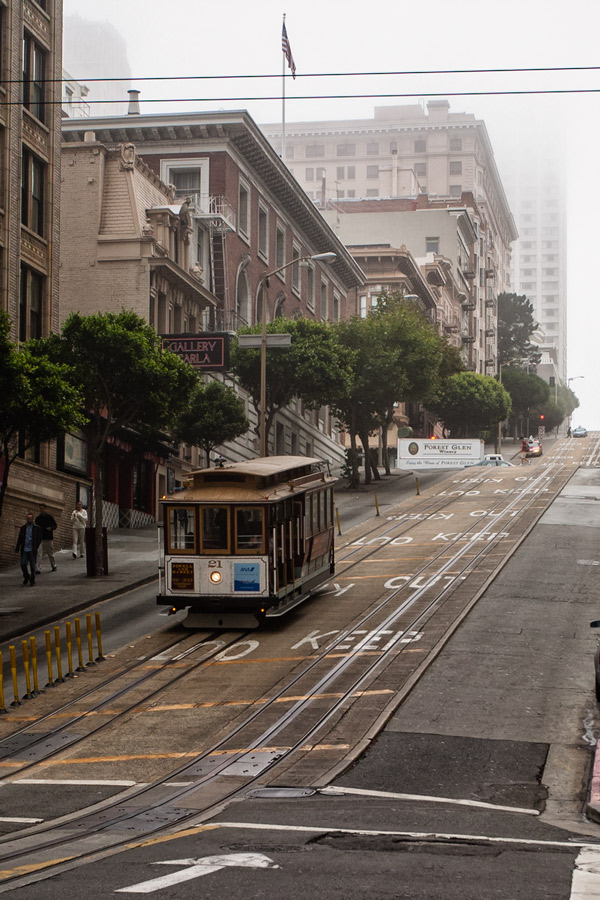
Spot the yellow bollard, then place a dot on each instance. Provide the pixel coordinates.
(337, 515)
(80, 666)
(33, 657)
(25, 651)
(69, 639)
(50, 682)
(3, 709)
(377, 504)
(59, 674)
(418, 491)
(88, 628)
(100, 657)
(13, 670)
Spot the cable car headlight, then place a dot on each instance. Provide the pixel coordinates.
(216, 577)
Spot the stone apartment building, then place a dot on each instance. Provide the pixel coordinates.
(412, 152)
(30, 120)
(126, 244)
(247, 217)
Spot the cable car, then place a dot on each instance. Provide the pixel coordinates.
(247, 541)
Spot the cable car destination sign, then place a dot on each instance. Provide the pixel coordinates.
(208, 351)
(419, 453)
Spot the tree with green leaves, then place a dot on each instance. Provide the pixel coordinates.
(516, 325)
(397, 356)
(38, 401)
(313, 368)
(126, 380)
(214, 414)
(469, 403)
(527, 392)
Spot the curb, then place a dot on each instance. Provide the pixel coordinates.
(19, 632)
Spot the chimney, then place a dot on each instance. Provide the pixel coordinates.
(134, 103)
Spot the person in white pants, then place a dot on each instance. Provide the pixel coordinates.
(79, 520)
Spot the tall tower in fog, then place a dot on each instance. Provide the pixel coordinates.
(93, 49)
(534, 174)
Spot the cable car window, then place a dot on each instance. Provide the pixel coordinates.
(182, 530)
(215, 528)
(249, 530)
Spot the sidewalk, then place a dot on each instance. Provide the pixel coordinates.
(132, 561)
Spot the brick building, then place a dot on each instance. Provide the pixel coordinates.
(248, 217)
(30, 120)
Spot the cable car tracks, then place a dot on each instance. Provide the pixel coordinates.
(329, 695)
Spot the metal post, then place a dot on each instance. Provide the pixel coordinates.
(3, 709)
(88, 628)
(100, 657)
(34, 667)
(59, 674)
(376, 504)
(69, 639)
(25, 651)
(80, 666)
(263, 372)
(49, 658)
(417, 485)
(13, 671)
(337, 515)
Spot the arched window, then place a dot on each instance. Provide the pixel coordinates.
(280, 306)
(242, 294)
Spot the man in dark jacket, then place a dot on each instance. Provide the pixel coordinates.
(28, 543)
(48, 526)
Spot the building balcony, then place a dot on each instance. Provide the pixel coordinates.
(216, 210)
(468, 339)
(468, 305)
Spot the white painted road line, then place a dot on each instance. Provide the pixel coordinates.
(76, 781)
(19, 820)
(331, 791)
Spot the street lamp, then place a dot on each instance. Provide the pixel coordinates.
(328, 257)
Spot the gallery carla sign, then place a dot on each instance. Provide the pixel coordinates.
(208, 351)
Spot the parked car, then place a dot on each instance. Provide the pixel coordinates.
(492, 459)
(580, 431)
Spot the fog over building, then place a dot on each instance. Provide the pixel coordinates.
(94, 49)
(533, 170)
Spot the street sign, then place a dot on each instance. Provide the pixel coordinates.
(254, 341)
(196, 868)
(422, 453)
(208, 351)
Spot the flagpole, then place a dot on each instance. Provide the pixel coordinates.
(283, 101)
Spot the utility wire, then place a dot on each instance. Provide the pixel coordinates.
(419, 94)
(300, 75)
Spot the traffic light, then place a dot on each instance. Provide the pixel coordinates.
(542, 417)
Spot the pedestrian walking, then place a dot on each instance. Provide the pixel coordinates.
(79, 518)
(569, 431)
(28, 542)
(524, 451)
(48, 525)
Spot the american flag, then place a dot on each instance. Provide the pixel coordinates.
(285, 46)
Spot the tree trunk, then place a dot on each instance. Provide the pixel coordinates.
(353, 474)
(98, 513)
(364, 439)
(384, 447)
